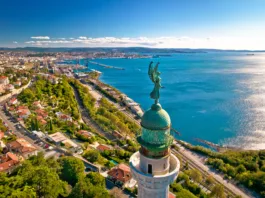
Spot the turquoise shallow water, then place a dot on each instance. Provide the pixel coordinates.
(219, 97)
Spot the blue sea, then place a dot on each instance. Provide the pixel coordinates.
(219, 97)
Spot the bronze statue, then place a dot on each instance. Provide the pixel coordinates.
(155, 77)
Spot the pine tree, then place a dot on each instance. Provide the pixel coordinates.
(36, 124)
(51, 125)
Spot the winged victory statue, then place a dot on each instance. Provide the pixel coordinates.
(154, 75)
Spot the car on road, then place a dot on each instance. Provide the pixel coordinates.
(18, 126)
(37, 141)
(50, 148)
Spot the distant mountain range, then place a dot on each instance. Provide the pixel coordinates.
(122, 49)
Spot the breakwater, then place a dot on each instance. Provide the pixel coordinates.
(106, 66)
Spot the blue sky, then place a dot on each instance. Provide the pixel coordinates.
(225, 24)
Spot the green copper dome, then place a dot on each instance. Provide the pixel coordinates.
(156, 118)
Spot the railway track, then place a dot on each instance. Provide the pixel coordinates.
(204, 173)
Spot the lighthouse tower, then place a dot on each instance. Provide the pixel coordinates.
(153, 166)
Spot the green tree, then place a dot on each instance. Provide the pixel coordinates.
(241, 169)
(195, 175)
(50, 125)
(37, 126)
(92, 155)
(96, 179)
(218, 191)
(26, 96)
(184, 194)
(72, 169)
(36, 177)
(84, 188)
(32, 125)
(44, 180)
(231, 171)
(209, 180)
(27, 191)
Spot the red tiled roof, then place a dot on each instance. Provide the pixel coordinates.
(3, 77)
(124, 167)
(22, 107)
(121, 173)
(36, 103)
(103, 147)
(13, 100)
(21, 145)
(6, 165)
(11, 108)
(85, 133)
(1, 135)
(24, 112)
(12, 156)
(7, 161)
(40, 118)
(64, 116)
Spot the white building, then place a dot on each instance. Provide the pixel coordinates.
(153, 166)
(58, 138)
(39, 134)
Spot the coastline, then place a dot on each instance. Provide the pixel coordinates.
(208, 113)
(174, 133)
(197, 161)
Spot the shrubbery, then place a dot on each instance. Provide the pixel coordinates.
(107, 116)
(246, 167)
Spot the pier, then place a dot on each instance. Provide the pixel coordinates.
(106, 66)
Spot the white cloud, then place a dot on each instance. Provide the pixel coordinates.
(30, 42)
(252, 43)
(41, 37)
(15, 42)
(48, 42)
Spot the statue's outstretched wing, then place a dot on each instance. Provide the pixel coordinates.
(151, 72)
(156, 68)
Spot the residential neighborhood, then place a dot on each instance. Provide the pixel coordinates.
(43, 125)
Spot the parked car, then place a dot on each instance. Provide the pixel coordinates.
(50, 148)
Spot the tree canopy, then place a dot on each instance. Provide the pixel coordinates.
(72, 169)
(38, 177)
